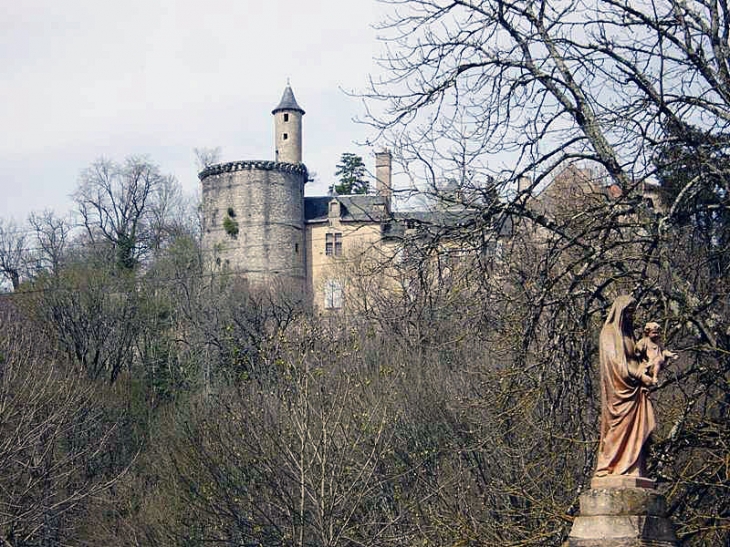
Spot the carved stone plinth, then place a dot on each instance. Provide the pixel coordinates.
(622, 481)
(618, 512)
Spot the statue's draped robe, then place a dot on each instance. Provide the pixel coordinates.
(627, 416)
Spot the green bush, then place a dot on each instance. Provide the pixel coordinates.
(230, 226)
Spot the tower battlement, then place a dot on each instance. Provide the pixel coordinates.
(247, 165)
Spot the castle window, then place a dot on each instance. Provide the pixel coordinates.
(286, 136)
(333, 244)
(296, 248)
(286, 117)
(333, 294)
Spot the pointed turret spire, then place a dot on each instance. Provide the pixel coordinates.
(288, 102)
(288, 128)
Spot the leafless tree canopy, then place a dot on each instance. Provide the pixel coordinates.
(126, 206)
(206, 157)
(12, 253)
(519, 88)
(52, 234)
(530, 111)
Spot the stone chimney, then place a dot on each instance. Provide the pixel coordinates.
(383, 181)
(523, 184)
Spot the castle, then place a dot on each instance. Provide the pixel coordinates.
(258, 224)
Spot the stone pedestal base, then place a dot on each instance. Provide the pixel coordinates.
(616, 512)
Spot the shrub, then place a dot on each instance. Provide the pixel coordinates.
(230, 226)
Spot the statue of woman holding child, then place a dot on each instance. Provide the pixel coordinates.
(627, 415)
(622, 506)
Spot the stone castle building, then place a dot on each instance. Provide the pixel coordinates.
(258, 224)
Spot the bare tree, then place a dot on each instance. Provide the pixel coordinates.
(549, 83)
(93, 315)
(205, 157)
(54, 440)
(126, 206)
(505, 98)
(52, 234)
(13, 253)
(292, 461)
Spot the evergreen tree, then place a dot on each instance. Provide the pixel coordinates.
(693, 169)
(351, 173)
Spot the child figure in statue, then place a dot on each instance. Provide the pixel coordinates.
(650, 351)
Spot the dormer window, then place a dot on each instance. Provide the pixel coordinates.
(286, 117)
(334, 210)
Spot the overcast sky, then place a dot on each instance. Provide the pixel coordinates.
(81, 79)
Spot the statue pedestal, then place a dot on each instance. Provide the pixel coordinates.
(622, 512)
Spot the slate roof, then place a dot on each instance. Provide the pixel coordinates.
(288, 102)
(353, 208)
(363, 208)
(315, 207)
(443, 220)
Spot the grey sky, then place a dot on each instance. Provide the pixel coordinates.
(82, 79)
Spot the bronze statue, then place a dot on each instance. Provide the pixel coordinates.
(627, 415)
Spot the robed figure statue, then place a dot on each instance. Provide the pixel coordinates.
(622, 506)
(627, 416)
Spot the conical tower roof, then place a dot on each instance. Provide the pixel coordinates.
(288, 102)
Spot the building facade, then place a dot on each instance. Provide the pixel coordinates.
(258, 224)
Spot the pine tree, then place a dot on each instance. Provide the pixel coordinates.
(351, 173)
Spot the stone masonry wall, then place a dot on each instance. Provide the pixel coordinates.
(267, 201)
(288, 136)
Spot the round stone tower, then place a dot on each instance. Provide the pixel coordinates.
(253, 211)
(288, 128)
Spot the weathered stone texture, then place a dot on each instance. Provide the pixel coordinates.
(625, 501)
(622, 481)
(267, 201)
(288, 136)
(622, 517)
(383, 166)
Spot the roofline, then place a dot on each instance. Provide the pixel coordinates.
(343, 219)
(289, 109)
(288, 102)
